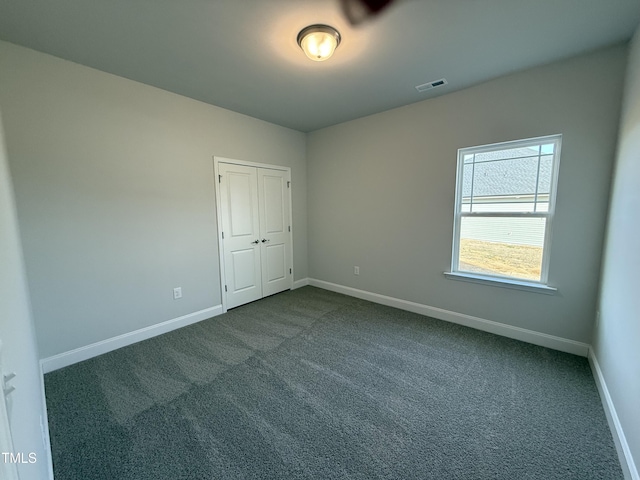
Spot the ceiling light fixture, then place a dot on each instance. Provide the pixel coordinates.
(318, 42)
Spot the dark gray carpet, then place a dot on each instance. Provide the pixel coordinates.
(312, 384)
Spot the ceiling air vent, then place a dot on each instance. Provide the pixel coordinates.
(429, 85)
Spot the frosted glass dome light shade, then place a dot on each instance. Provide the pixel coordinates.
(318, 42)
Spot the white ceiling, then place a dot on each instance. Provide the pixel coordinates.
(242, 54)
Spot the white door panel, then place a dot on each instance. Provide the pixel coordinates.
(242, 203)
(243, 268)
(241, 229)
(273, 193)
(276, 264)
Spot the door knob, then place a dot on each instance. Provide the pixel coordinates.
(256, 242)
(264, 240)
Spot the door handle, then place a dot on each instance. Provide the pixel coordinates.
(264, 240)
(256, 242)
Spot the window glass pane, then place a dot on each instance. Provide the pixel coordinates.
(507, 185)
(544, 182)
(467, 177)
(550, 148)
(505, 177)
(508, 153)
(504, 246)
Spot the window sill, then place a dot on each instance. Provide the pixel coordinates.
(505, 283)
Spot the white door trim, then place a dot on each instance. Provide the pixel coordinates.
(216, 161)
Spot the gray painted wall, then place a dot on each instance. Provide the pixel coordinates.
(617, 335)
(115, 195)
(381, 191)
(17, 334)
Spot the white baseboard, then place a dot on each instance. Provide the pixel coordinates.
(84, 353)
(624, 452)
(300, 283)
(530, 336)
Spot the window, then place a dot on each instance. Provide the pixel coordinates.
(505, 198)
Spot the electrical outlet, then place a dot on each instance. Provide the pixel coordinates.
(177, 293)
(356, 270)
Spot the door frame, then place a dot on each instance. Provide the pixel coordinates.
(217, 160)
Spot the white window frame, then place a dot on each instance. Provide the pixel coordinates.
(510, 282)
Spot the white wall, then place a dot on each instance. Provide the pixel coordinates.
(17, 335)
(115, 195)
(381, 191)
(617, 335)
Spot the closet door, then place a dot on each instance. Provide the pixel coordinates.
(241, 229)
(275, 230)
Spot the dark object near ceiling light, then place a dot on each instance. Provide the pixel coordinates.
(358, 11)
